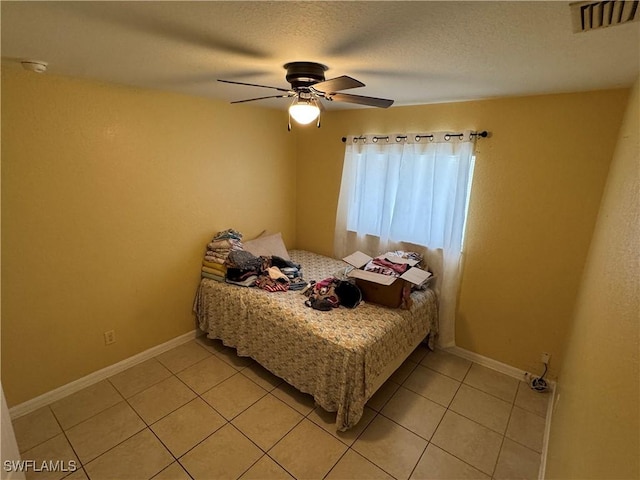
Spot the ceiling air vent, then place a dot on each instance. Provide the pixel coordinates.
(609, 13)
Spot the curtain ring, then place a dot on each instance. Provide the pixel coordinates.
(447, 137)
(420, 137)
(375, 139)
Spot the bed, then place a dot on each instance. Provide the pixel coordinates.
(340, 357)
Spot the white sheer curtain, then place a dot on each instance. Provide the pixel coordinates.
(409, 192)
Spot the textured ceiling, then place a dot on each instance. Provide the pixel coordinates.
(414, 52)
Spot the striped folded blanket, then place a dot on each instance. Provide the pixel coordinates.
(214, 271)
(227, 244)
(212, 277)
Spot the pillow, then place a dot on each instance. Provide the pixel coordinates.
(267, 246)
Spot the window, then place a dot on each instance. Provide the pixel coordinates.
(409, 189)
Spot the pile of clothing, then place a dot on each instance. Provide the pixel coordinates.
(384, 266)
(218, 250)
(226, 261)
(292, 270)
(332, 293)
(272, 280)
(243, 268)
(274, 274)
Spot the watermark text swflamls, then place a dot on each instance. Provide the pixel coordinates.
(40, 466)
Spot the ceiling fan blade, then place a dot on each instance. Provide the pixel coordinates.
(261, 98)
(255, 85)
(153, 20)
(359, 99)
(336, 84)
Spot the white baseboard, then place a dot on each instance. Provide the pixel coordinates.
(97, 376)
(487, 362)
(547, 431)
(520, 375)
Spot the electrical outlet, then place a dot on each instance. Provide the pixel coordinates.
(109, 337)
(544, 358)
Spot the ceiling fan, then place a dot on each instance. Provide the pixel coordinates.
(308, 87)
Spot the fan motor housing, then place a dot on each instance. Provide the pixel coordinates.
(304, 74)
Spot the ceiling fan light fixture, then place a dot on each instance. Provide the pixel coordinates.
(304, 111)
(309, 87)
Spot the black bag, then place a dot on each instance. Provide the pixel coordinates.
(349, 294)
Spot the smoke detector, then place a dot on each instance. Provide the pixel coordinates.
(34, 65)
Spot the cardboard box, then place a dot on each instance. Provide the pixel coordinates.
(384, 289)
(387, 295)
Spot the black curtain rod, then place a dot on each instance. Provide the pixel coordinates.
(483, 134)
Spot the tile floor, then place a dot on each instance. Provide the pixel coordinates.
(199, 411)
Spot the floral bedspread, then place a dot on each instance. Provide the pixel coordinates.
(334, 356)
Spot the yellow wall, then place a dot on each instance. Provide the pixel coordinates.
(596, 429)
(110, 193)
(537, 186)
(109, 196)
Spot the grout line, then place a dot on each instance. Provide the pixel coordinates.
(379, 414)
(338, 461)
(303, 417)
(281, 466)
(93, 414)
(93, 378)
(171, 411)
(502, 435)
(70, 444)
(109, 379)
(64, 431)
(257, 460)
(168, 466)
(420, 457)
(148, 426)
(495, 465)
(209, 354)
(23, 451)
(457, 458)
(446, 375)
(368, 459)
(373, 463)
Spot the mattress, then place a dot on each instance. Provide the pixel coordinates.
(337, 356)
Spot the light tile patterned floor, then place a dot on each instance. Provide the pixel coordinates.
(199, 411)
